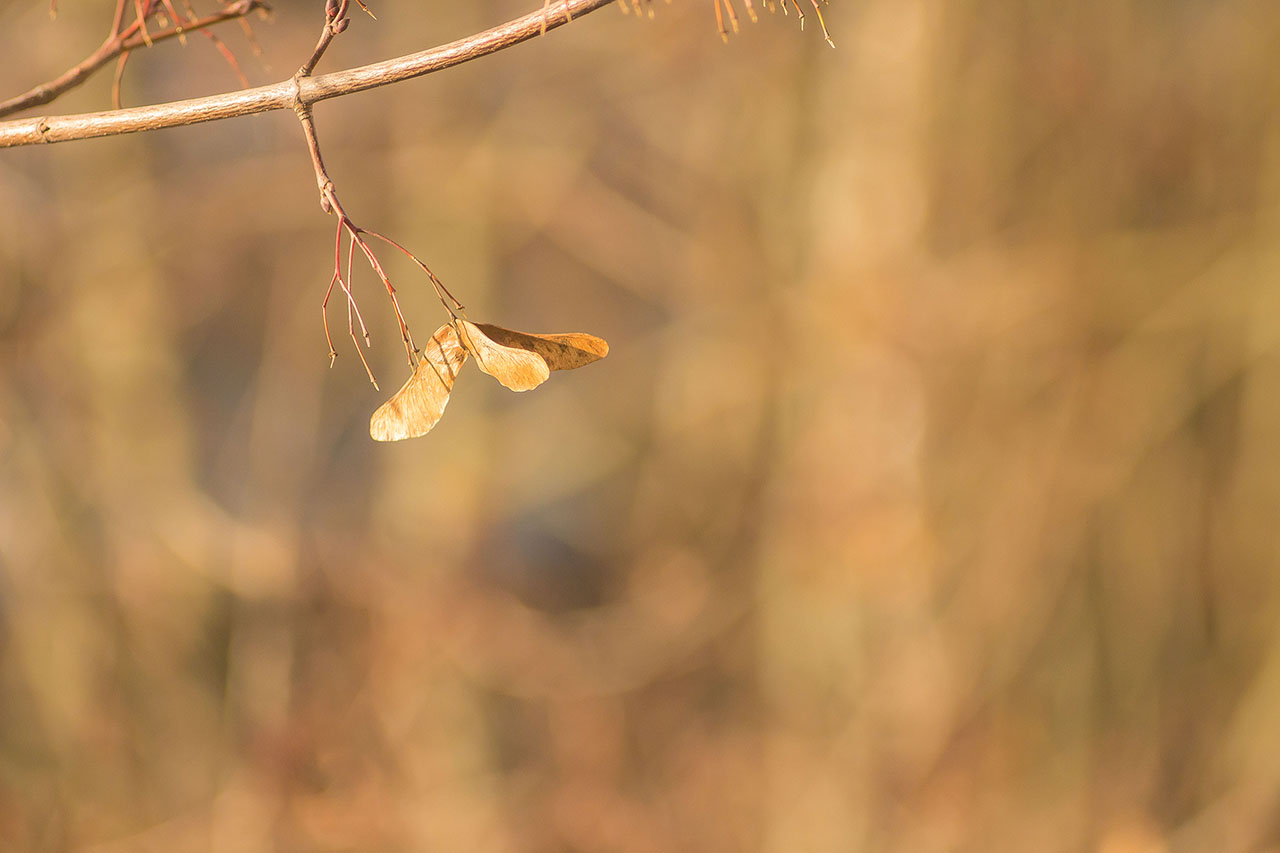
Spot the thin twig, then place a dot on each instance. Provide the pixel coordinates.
(118, 21)
(441, 291)
(227, 55)
(335, 22)
(284, 95)
(118, 77)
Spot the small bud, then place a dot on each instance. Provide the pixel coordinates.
(339, 27)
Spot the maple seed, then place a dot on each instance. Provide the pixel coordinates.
(516, 368)
(560, 352)
(519, 360)
(418, 405)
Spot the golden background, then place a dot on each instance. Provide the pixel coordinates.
(927, 501)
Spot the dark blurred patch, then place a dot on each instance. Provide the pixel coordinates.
(526, 557)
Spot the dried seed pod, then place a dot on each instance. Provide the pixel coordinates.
(417, 406)
(560, 352)
(516, 368)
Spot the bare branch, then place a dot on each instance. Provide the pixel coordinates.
(286, 94)
(334, 23)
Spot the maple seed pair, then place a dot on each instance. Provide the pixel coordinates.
(519, 360)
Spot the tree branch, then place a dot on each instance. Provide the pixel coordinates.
(116, 44)
(288, 94)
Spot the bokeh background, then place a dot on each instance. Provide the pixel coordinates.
(929, 499)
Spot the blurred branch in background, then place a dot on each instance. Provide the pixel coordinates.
(122, 41)
(926, 500)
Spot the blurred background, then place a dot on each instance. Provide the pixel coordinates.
(927, 501)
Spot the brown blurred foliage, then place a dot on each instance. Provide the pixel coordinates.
(927, 500)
